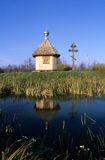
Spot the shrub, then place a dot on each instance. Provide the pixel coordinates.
(1, 70)
(99, 67)
(63, 67)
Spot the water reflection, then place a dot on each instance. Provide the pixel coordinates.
(73, 112)
(29, 116)
(46, 109)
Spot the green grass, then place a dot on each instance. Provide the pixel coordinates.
(51, 84)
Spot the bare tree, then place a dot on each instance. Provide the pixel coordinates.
(28, 65)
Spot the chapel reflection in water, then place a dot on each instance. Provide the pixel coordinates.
(46, 109)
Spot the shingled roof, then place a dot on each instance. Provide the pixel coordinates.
(46, 48)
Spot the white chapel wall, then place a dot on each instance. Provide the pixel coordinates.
(51, 66)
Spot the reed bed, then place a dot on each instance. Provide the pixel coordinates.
(51, 84)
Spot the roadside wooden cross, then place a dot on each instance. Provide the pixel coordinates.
(73, 50)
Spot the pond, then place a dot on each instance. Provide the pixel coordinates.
(32, 117)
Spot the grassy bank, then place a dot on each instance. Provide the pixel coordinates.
(50, 84)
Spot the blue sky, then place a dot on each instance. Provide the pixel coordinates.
(22, 23)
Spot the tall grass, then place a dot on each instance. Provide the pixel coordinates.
(50, 84)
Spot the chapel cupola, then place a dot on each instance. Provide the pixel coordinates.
(46, 34)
